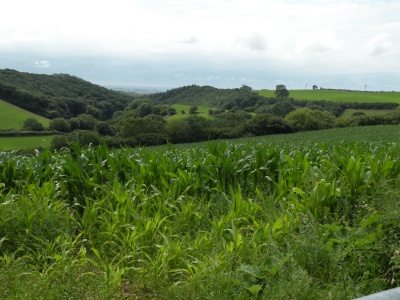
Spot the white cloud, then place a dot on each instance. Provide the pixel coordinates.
(379, 44)
(42, 64)
(270, 38)
(255, 42)
(318, 41)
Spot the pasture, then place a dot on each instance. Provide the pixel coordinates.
(303, 216)
(338, 95)
(13, 117)
(24, 142)
(202, 111)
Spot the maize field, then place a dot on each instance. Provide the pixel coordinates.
(223, 220)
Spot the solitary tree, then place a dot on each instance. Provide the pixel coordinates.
(193, 110)
(281, 91)
(314, 87)
(31, 124)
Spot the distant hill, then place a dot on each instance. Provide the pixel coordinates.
(339, 95)
(13, 117)
(209, 96)
(59, 95)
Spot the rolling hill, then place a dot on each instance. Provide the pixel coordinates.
(59, 95)
(208, 96)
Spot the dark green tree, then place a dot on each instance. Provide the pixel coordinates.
(59, 141)
(193, 110)
(281, 108)
(171, 111)
(149, 130)
(103, 128)
(263, 124)
(87, 122)
(31, 124)
(281, 91)
(304, 119)
(93, 111)
(60, 124)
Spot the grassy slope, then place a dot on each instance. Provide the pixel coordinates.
(335, 95)
(13, 117)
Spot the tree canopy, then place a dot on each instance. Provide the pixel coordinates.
(281, 91)
(60, 95)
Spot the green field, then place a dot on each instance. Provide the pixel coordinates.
(368, 112)
(13, 117)
(26, 142)
(351, 134)
(337, 95)
(380, 133)
(202, 111)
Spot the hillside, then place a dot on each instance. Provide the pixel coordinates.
(208, 96)
(13, 117)
(338, 95)
(59, 95)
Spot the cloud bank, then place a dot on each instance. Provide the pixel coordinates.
(224, 43)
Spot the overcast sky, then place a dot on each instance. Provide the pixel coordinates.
(223, 43)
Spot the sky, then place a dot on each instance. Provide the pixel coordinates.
(222, 43)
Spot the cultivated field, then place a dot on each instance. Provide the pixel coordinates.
(337, 95)
(304, 216)
(13, 117)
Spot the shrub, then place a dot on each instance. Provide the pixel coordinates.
(58, 142)
(60, 124)
(31, 124)
(103, 128)
(85, 137)
(304, 119)
(263, 124)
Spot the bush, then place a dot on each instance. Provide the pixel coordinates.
(85, 137)
(103, 128)
(59, 141)
(60, 124)
(357, 113)
(31, 124)
(304, 119)
(193, 110)
(263, 124)
(280, 109)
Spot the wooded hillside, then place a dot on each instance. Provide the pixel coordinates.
(59, 95)
(209, 96)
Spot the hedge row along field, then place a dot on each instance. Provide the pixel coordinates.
(224, 221)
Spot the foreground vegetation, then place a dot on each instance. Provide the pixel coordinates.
(246, 219)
